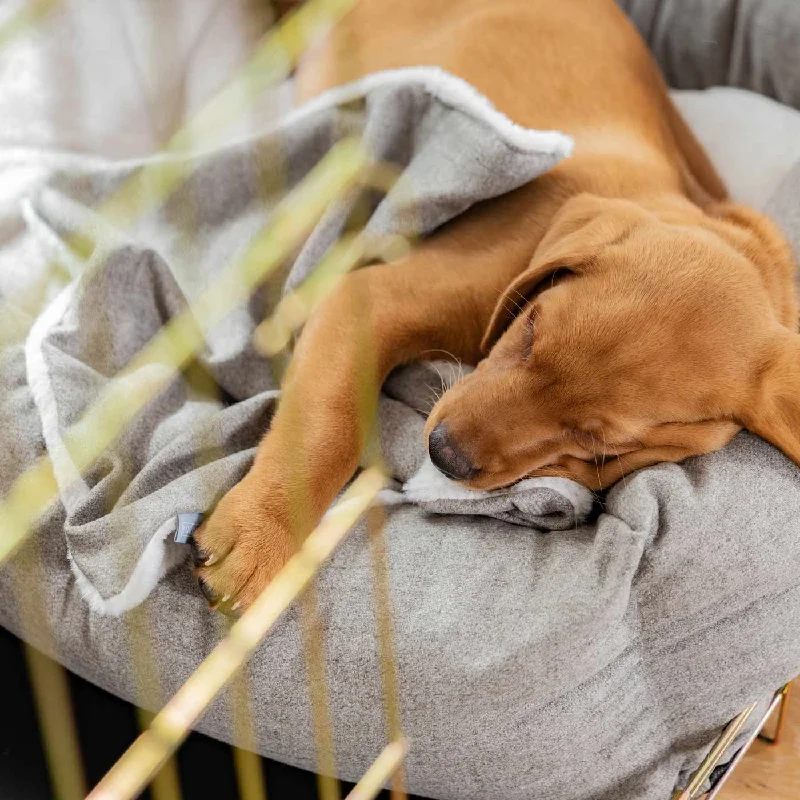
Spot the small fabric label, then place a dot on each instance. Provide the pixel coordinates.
(188, 523)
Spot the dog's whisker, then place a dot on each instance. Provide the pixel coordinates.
(433, 391)
(511, 311)
(505, 296)
(605, 445)
(442, 379)
(437, 396)
(440, 350)
(596, 465)
(447, 383)
(525, 300)
(623, 470)
(615, 452)
(429, 405)
(520, 310)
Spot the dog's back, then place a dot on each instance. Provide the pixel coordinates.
(568, 65)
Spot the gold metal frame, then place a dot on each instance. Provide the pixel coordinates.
(345, 167)
(782, 699)
(694, 789)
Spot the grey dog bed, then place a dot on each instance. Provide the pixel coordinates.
(599, 661)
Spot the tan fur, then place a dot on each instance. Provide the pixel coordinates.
(629, 312)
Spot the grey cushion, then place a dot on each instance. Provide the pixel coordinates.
(766, 144)
(753, 44)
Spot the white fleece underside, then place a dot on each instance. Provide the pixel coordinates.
(428, 485)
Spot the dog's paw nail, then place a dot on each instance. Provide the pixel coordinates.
(236, 606)
(225, 598)
(199, 556)
(207, 591)
(212, 559)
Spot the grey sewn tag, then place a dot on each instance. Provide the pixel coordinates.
(188, 523)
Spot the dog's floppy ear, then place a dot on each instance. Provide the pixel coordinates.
(764, 244)
(583, 225)
(774, 412)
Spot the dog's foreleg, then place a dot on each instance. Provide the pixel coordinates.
(438, 299)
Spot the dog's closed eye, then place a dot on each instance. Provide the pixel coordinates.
(583, 438)
(520, 297)
(530, 331)
(550, 281)
(598, 442)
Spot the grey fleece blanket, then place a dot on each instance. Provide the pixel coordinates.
(189, 446)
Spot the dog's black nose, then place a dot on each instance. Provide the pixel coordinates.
(446, 456)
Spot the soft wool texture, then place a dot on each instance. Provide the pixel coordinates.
(524, 503)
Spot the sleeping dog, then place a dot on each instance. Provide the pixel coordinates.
(621, 310)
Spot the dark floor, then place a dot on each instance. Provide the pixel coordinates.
(106, 727)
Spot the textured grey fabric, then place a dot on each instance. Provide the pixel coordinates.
(19, 420)
(784, 208)
(548, 504)
(763, 126)
(189, 446)
(753, 44)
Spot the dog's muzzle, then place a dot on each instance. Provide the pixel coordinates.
(446, 455)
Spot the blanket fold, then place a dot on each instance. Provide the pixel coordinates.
(122, 283)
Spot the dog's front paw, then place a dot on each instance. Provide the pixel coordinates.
(241, 547)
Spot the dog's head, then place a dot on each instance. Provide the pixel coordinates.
(639, 333)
